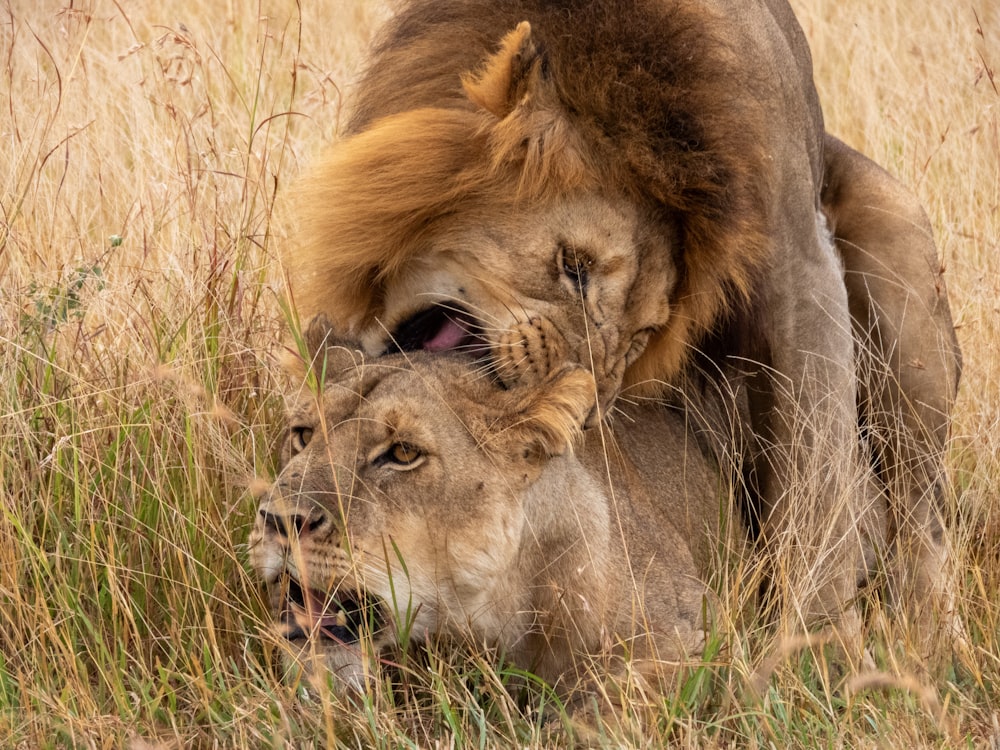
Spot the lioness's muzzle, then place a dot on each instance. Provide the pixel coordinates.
(343, 617)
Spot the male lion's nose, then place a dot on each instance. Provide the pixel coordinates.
(292, 521)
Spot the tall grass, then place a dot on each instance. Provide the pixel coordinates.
(144, 152)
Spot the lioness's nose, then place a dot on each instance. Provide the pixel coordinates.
(291, 521)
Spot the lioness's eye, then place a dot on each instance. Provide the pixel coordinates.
(575, 266)
(300, 437)
(401, 456)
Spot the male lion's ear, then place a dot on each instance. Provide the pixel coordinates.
(531, 133)
(550, 419)
(510, 76)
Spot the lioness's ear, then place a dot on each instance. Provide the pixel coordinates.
(318, 333)
(550, 419)
(510, 76)
(323, 352)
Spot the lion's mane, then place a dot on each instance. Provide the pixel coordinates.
(650, 103)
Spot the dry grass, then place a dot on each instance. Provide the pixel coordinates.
(143, 153)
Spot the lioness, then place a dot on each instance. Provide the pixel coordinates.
(645, 187)
(418, 498)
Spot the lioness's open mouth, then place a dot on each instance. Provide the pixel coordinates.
(440, 328)
(342, 617)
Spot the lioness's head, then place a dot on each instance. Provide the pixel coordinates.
(529, 219)
(399, 511)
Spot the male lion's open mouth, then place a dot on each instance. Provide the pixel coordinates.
(342, 617)
(440, 328)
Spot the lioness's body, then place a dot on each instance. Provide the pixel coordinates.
(643, 187)
(501, 534)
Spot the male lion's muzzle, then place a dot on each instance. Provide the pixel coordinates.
(440, 328)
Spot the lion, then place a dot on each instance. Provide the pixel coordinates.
(420, 502)
(646, 188)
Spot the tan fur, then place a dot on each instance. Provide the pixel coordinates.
(510, 532)
(909, 356)
(672, 152)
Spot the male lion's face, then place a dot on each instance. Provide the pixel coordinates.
(397, 515)
(531, 288)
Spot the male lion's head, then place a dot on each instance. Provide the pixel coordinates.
(565, 203)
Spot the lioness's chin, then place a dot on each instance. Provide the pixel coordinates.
(315, 661)
(330, 634)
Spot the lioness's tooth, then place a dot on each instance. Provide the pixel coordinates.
(341, 619)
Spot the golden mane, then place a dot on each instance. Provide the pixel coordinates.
(662, 120)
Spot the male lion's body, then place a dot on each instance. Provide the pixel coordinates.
(646, 188)
(454, 509)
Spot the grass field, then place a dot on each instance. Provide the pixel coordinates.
(146, 148)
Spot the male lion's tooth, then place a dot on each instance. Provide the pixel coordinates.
(341, 619)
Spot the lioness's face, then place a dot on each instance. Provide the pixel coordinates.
(533, 289)
(391, 520)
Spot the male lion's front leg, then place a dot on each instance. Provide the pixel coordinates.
(818, 505)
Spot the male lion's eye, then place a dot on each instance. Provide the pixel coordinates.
(300, 437)
(401, 456)
(575, 266)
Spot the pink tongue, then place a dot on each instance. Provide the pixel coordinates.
(449, 337)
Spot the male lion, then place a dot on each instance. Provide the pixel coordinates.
(646, 188)
(418, 500)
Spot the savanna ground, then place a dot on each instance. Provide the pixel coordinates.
(146, 149)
